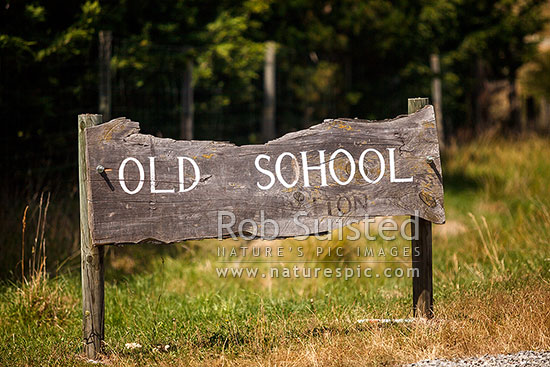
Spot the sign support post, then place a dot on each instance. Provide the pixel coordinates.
(91, 256)
(422, 249)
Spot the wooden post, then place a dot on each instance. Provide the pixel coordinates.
(416, 104)
(437, 97)
(105, 44)
(544, 115)
(93, 305)
(422, 250)
(187, 104)
(268, 116)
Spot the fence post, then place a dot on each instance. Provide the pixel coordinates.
(422, 250)
(187, 104)
(268, 115)
(91, 257)
(437, 98)
(105, 45)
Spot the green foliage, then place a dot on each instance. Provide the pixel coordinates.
(358, 58)
(229, 60)
(535, 77)
(71, 40)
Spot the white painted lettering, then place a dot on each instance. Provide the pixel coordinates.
(321, 167)
(392, 168)
(264, 171)
(121, 176)
(278, 170)
(154, 189)
(331, 166)
(182, 175)
(362, 165)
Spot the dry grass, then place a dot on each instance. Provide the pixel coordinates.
(500, 322)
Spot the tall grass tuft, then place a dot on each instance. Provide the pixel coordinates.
(37, 260)
(490, 245)
(36, 299)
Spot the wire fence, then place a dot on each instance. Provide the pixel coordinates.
(45, 154)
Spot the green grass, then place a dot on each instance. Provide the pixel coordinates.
(491, 278)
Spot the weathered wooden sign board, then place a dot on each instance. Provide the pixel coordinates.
(137, 188)
(158, 189)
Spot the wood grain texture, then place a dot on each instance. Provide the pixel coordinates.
(229, 180)
(93, 304)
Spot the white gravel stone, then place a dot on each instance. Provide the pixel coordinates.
(526, 358)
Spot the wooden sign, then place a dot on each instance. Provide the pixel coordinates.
(164, 190)
(136, 188)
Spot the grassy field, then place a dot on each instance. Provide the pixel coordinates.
(491, 278)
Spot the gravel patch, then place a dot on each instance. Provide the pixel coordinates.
(527, 358)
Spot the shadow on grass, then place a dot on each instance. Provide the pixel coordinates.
(127, 260)
(459, 182)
